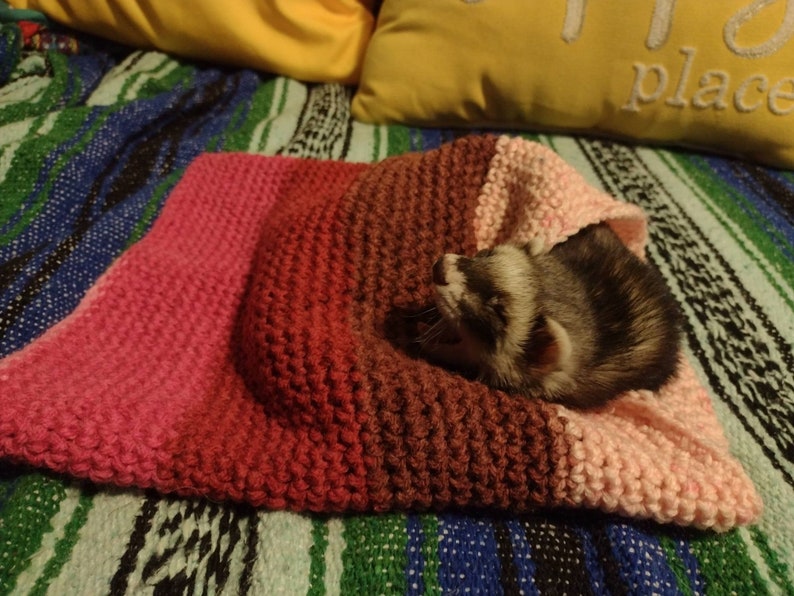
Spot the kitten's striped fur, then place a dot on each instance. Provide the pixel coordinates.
(578, 325)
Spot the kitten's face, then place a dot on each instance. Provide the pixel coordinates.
(487, 301)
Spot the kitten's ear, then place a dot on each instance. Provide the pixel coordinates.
(551, 348)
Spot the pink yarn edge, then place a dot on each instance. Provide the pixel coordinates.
(532, 194)
(662, 457)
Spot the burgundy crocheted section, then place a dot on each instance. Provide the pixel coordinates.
(315, 350)
(438, 438)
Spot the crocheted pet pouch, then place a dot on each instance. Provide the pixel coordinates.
(247, 349)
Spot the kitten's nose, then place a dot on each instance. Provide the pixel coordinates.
(439, 277)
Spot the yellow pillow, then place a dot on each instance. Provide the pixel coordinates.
(311, 40)
(717, 74)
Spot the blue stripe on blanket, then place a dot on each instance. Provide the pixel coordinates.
(642, 561)
(771, 216)
(468, 556)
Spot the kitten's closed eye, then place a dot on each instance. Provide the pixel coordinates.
(498, 308)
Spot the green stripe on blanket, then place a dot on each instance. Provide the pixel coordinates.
(25, 520)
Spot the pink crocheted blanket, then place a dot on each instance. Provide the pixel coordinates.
(241, 351)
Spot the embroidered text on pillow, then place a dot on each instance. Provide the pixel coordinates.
(715, 89)
(662, 22)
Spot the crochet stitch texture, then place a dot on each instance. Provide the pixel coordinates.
(241, 350)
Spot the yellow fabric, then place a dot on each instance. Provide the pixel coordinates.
(311, 40)
(717, 74)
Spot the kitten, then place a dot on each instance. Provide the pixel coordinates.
(578, 325)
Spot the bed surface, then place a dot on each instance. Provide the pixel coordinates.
(94, 137)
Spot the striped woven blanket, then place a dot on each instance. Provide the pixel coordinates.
(93, 144)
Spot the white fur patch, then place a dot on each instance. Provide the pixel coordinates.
(453, 292)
